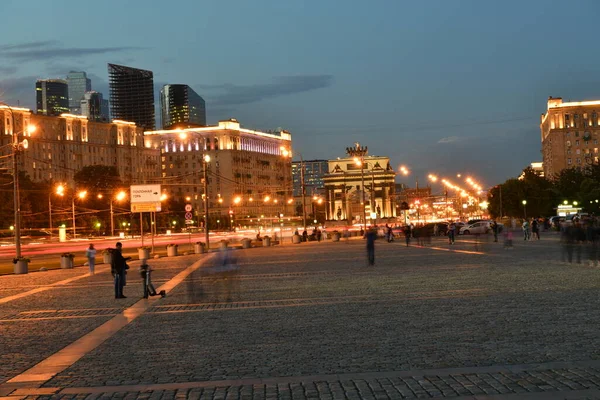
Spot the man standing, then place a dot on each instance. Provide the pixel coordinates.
(494, 225)
(371, 235)
(118, 267)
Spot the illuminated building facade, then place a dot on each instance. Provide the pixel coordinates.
(343, 189)
(94, 107)
(79, 84)
(132, 95)
(181, 107)
(251, 166)
(569, 135)
(52, 96)
(314, 171)
(63, 145)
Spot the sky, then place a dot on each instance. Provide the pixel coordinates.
(442, 87)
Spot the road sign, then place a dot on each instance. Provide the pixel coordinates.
(145, 193)
(145, 207)
(188, 207)
(188, 215)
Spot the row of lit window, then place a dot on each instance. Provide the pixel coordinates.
(569, 161)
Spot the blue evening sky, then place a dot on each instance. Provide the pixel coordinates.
(439, 86)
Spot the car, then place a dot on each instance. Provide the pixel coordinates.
(480, 227)
(442, 228)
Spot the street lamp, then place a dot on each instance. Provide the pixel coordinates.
(205, 161)
(119, 197)
(17, 147)
(81, 196)
(525, 208)
(361, 162)
(60, 191)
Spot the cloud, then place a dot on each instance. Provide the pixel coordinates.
(449, 139)
(19, 90)
(47, 50)
(230, 94)
(7, 70)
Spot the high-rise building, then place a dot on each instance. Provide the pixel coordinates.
(132, 95)
(94, 107)
(52, 96)
(314, 171)
(78, 83)
(182, 107)
(570, 134)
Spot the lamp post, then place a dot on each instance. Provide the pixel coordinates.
(120, 196)
(359, 153)
(60, 191)
(81, 195)
(525, 208)
(205, 161)
(16, 148)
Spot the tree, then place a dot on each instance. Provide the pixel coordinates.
(98, 178)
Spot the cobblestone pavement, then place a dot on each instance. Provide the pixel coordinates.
(312, 321)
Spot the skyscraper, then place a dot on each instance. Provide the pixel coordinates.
(52, 96)
(78, 83)
(94, 107)
(132, 95)
(180, 105)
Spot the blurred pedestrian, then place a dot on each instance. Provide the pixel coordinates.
(525, 228)
(407, 234)
(119, 268)
(436, 230)
(535, 229)
(304, 235)
(494, 226)
(451, 232)
(390, 234)
(371, 235)
(91, 256)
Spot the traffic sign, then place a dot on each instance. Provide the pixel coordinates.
(145, 207)
(188, 207)
(145, 193)
(189, 222)
(188, 215)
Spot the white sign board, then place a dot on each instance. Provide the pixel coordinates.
(145, 193)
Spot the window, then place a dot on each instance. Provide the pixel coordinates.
(577, 142)
(569, 151)
(569, 161)
(579, 161)
(568, 134)
(568, 143)
(578, 151)
(596, 150)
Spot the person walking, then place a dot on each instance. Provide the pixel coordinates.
(407, 234)
(91, 256)
(495, 230)
(535, 229)
(390, 234)
(525, 228)
(371, 235)
(118, 268)
(451, 232)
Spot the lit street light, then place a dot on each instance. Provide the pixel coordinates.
(17, 147)
(81, 196)
(525, 208)
(119, 197)
(205, 161)
(60, 191)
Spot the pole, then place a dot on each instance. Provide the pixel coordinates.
(303, 192)
(362, 179)
(206, 204)
(73, 204)
(152, 227)
(50, 212)
(17, 202)
(500, 186)
(142, 228)
(446, 203)
(373, 208)
(112, 223)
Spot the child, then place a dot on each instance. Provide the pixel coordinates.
(508, 239)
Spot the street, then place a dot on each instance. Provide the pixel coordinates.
(312, 321)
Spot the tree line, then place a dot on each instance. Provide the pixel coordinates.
(581, 185)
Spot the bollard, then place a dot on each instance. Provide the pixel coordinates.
(199, 248)
(143, 253)
(223, 245)
(246, 243)
(266, 241)
(296, 239)
(172, 250)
